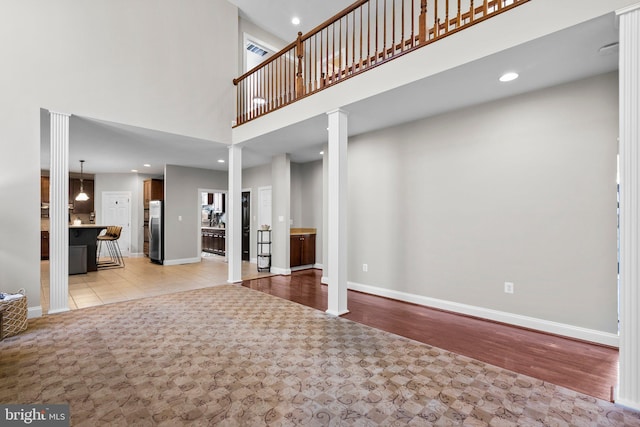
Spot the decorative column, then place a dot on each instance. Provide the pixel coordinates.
(629, 149)
(281, 214)
(234, 214)
(325, 220)
(59, 214)
(337, 213)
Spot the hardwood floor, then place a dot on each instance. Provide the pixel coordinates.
(588, 368)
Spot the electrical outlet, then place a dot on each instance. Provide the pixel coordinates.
(508, 287)
(365, 267)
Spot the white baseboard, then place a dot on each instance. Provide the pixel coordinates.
(33, 312)
(318, 266)
(181, 261)
(253, 261)
(282, 271)
(135, 255)
(325, 280)
(555, 328)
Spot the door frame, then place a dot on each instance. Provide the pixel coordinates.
(199, 217)
(248, 190)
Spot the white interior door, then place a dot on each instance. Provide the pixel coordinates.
(264, 206)
(116, 210)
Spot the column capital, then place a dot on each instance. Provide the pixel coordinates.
(59, 113)
(337, 110)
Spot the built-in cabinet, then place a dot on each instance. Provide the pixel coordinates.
(214, 240)
(44, 189)
(302, 249)
(153, 189)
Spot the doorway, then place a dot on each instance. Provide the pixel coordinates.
(246, 224)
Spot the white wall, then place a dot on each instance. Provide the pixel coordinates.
(182, 209)
(154, 64)
(520, 190)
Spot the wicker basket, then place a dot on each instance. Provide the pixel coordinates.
(14, 316)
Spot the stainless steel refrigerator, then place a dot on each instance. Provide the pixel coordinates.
(156, 231)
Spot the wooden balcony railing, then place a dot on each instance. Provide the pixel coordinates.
(364, 35)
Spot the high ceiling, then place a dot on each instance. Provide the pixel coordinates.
(567, 55)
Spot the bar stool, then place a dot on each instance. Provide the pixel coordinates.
(110, 239)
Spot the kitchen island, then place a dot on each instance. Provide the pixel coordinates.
(86, 235)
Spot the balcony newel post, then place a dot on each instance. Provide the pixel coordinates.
(299, 78)
(423, 22)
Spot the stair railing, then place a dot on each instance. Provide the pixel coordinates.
(364, 35)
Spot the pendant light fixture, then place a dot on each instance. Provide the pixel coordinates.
(82, 196)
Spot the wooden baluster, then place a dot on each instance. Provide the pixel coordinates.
(377, 26)
(346, 44)
(361, 30)
(393, 26)
(353, 43)
(436, 21)
(402, 24)
(299, 76)
(472, 13)
(458, 21)
(422, 22)
(384, 31)
(413, 29)
(446, 17)
(484, 8)
(368, 33)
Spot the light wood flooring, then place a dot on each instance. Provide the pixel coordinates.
(139, 279)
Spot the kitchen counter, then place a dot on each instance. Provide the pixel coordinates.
(81, 226)
(300, 231)
(205, 227)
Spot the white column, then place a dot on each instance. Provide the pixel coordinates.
(337, 213)
(234, 215)
(59, 214)
(325, 220)
(629, 110)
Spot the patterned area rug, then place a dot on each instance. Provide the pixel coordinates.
(233, 356)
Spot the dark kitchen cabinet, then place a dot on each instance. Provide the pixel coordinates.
(44, 189)
(213, 241)
(302, 250)
(44, 245)
(153, 190)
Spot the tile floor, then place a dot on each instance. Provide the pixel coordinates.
(139, 279)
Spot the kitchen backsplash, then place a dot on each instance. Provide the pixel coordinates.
(84, 218)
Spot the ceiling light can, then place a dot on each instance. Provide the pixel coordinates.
(510, 76)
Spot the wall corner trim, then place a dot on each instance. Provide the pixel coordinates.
(548, 326)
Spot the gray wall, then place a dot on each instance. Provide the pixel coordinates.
(281, 211)
(181, 194)
(520, 190)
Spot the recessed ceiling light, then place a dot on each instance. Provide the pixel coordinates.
(295, 20)
(507, 77)
(322, 153)
(134, 170)
(220, 160)
(147, 165)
